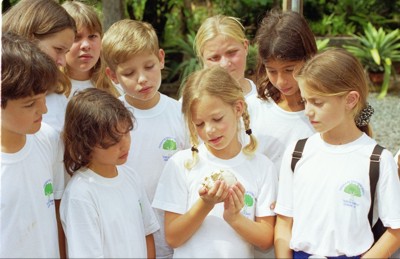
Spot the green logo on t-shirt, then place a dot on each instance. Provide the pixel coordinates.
(48, 191)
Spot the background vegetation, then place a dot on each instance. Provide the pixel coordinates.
(176, 22)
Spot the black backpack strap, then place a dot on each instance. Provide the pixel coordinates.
(298, 152)
(375, 159)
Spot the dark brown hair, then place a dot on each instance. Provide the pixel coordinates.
(93, 118)
(283, 36)
(25, 69)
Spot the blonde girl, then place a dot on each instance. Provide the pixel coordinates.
(221, 40)
(223, 220)
(323, 204)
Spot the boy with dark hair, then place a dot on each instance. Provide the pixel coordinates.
(32, 173)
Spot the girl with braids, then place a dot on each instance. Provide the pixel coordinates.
(284, 42)
(323, 203)
(223, 220)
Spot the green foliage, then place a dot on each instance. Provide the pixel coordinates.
(251, 61)
(187, 64)
(377, 49)
(332, 25)
(338, 17)
(322, 44)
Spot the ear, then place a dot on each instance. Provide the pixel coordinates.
(352, 99)
(246, 46)
(161, 58)
(112, 75)
(239, 108)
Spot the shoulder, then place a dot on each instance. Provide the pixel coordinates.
(171, 102)
(48, 135)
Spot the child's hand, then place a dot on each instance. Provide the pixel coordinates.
(234, 203)
(216, 194)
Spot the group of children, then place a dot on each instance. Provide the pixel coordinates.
(138, 158)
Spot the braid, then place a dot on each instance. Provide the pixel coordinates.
(250, 148)
(189, 164)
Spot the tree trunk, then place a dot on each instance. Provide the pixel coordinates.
(113, 10)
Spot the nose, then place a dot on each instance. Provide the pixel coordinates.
(126, 141)
(85, 44)
(142, 78)
(42, 107)
(209, 128)
(281, 81)
(308, 111)
(224, 62)
(61, 60)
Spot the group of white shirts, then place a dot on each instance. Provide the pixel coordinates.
(154, 179)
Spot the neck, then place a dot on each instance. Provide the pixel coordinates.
(342, 135)
(79, 75)
(245, 84)
(291, 103)
(107, 171)
(228, 152)
(143, 104)
(11, 142)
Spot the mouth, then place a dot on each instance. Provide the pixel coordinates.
(215, 140)
(38, 120)
(145, 89)
(125, 156)
(85, 56)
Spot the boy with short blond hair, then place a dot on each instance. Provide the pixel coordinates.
(32, 173)
(134, 60)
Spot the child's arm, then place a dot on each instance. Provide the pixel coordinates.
(386, 245)
(260, 232)
(180, 227)
(151, 248)
(61, 236)
(283, 234)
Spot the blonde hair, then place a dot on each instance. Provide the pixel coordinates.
(85, 16)
(214, 81)
(214, 26)
(124, 39)
(335, 72)
(37, 19)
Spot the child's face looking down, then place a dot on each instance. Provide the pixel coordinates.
(227, 53)
(280, 74)
(56, 45)
(23, 116)
(216, 123)
(116, 154)
(140, 75)
(327, 114)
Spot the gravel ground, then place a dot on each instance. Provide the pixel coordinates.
(385, 121)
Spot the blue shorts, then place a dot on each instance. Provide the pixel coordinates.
(303, 255)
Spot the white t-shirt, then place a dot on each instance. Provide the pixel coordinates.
(56, 107)
(253, 90)
(79, 86)
(329, 198)
(31, 179)
(178, 189)
(106, 217)
(158, 133)
(275, 128)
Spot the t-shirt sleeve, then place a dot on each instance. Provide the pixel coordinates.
(284, 203)
(388, 191)
(268, 186)
(150, 221)
(172, 191)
